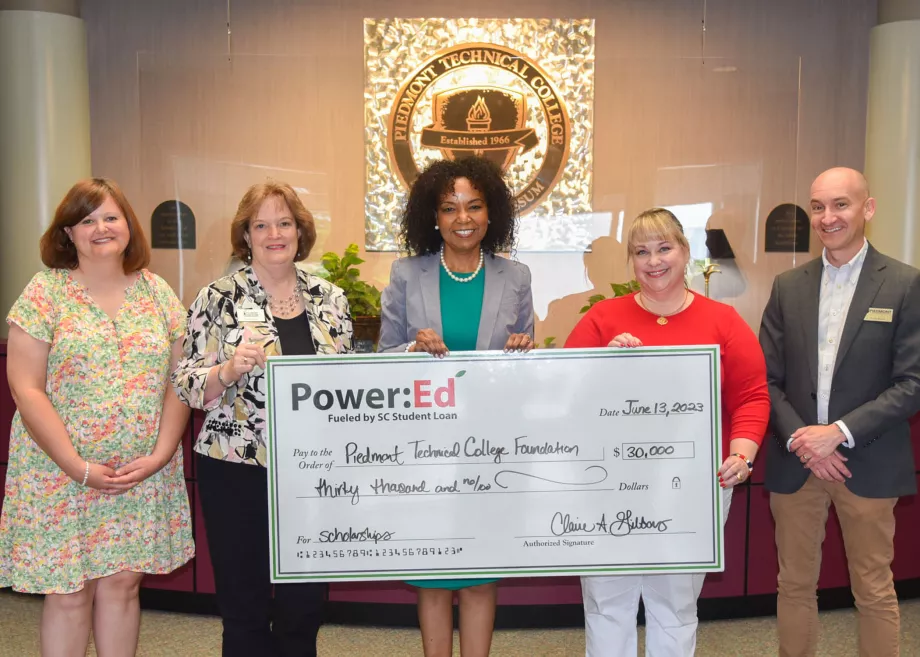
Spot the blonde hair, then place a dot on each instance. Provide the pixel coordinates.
(655, 224)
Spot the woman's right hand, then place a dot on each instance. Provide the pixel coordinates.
(625, 340)
(245, 359)
(428, 341)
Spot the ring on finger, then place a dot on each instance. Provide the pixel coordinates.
(740, 477)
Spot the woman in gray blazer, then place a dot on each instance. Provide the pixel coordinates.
(454, 293)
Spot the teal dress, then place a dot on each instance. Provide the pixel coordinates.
(461, 307)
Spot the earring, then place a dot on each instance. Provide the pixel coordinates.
(436, 227)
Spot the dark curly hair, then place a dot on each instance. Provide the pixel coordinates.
(419, 218)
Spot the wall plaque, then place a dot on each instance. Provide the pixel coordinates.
(172, 226)
(787, 230)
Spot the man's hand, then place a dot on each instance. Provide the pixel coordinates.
(816, 442)
(831, 468)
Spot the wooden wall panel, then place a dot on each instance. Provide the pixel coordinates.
(175, 109)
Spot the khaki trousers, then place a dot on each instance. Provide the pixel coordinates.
(868, 536)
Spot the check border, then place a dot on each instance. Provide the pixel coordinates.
(715, 565)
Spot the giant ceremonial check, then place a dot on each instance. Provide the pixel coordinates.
(562, 462)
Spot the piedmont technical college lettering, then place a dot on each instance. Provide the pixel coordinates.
(499, 134)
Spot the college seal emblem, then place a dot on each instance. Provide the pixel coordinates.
(489, 120)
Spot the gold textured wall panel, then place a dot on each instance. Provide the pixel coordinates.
(535, 55)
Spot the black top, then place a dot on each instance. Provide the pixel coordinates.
(294, 335)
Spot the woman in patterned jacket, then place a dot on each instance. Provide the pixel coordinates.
(95, 493)
(267, 308)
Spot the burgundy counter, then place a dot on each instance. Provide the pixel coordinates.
(747, 587)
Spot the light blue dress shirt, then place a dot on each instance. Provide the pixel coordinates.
(837, 287)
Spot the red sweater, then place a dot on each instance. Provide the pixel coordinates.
(745, 398)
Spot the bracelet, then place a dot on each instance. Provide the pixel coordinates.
(221, 379)
(85, 475)
(409, 346)
(747, 461)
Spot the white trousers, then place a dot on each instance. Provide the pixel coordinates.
(612, 603)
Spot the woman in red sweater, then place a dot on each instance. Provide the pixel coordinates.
(665, 313)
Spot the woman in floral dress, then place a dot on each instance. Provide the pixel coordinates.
(95, 493)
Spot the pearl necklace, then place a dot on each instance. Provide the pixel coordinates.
(463, 279)
(286, 307)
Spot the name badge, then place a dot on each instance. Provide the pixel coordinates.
(879, 315)
(250, 313)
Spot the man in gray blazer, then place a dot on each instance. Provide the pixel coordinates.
(841, 337)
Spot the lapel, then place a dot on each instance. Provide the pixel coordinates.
(811, 291)
(247, 281)
(313, 302)
(248, 290)
(870, 280)
(430, 281)
(491, 300)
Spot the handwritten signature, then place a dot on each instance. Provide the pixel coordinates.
(624, 524)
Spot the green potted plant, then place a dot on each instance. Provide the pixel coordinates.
(619, 290)
(363, 298)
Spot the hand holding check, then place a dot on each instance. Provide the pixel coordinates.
(246, 358)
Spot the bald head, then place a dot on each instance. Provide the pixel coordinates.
(840, 206)
(843, 177)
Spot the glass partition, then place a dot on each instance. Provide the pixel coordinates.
(714, 140)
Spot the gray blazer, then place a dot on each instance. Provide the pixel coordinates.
(876, 384)
(412, 301)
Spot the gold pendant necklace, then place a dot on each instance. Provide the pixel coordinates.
(663, 317)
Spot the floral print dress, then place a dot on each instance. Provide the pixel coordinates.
(106, 379)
